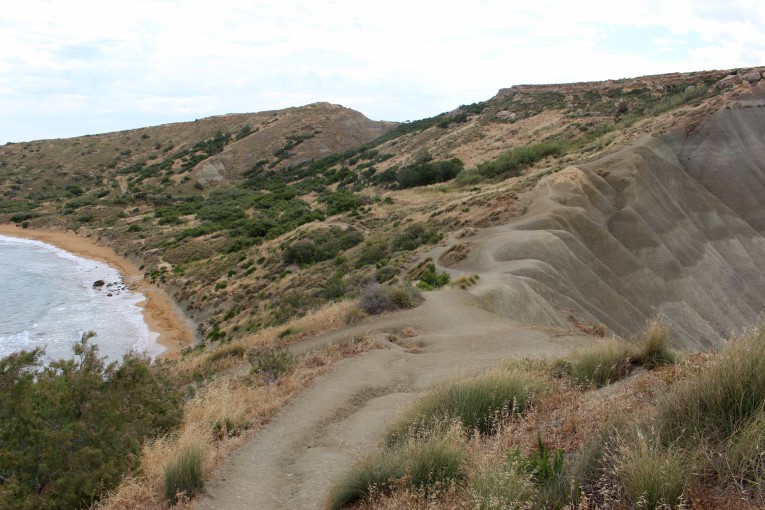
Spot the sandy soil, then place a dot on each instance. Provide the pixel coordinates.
(159, 310)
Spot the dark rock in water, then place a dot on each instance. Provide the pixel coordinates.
(109, 295)
(98, 284)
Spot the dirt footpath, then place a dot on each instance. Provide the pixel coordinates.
(291, 463)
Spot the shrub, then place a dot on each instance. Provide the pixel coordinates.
(372, 253)
(270, 362)
(340, 202)
(378, 298)
(184, 474)
(478, 403)
(321, 245)
(513, 161)
(414, 236)
(430, 279)
(427, 172)
(70, 430)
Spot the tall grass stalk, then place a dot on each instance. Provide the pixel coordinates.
(501, 488)
(718, 402)
(652, 476)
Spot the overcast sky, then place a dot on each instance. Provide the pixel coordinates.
(75, 67)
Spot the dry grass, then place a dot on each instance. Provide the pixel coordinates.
(226, 411)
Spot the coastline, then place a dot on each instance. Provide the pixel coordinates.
(160, 312)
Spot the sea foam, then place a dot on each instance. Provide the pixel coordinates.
(47, 299)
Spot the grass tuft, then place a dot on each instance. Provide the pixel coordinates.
(721, 400)
(418, 463)
(602, 364)
(613, 358)
(655, 350)
(652, 476)
(184, 474)
(478, 403)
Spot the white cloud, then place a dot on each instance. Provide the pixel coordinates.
(399, 60)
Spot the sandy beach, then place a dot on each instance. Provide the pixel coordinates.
(159, 310)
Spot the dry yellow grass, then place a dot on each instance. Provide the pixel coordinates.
(233, 399)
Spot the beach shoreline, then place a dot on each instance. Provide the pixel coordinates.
(160, 312)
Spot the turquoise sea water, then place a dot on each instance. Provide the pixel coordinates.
(47, 299)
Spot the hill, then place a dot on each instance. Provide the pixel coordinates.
(244, 212)
(549, 215)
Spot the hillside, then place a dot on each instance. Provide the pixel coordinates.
(536, 223)
(234, 214)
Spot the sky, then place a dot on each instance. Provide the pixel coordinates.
(76, 67)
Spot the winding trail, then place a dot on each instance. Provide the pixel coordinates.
(291, 463)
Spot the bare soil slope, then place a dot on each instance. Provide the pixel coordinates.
(671, 226)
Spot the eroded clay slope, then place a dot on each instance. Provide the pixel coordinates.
(670, 227)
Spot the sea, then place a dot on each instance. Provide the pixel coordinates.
(47, 299)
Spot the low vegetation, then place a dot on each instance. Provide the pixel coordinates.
(613, 359)
(481, 403)
(420, 463)
(378, 298)
(688, 433)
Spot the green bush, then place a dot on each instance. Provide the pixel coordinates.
(70, 430)
(478, 403)
(340, 202)
(430, 279)
(184, 474)
(321, 245)
(372, 253)
(429, 172)
(415, 236)
(512, 162)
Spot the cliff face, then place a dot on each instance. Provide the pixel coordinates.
(671, 226)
